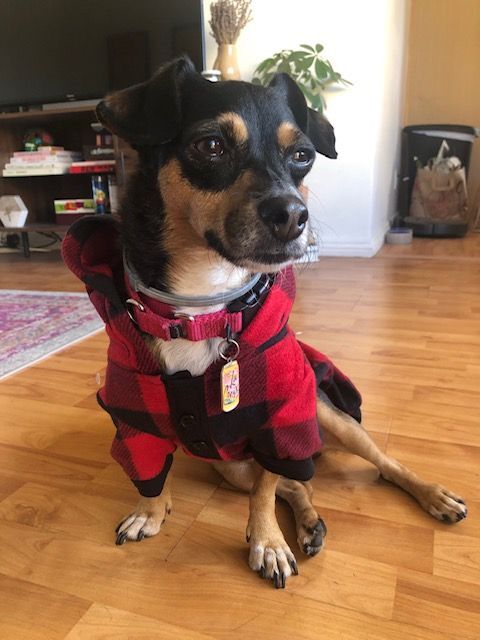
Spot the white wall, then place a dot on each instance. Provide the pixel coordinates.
(351, 198)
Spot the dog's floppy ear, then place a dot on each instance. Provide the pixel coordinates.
(314, 125)
(148, 113)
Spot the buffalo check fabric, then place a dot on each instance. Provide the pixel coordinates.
(280, 377)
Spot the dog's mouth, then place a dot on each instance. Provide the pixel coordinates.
(258, 259)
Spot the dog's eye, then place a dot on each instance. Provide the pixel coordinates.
(302, 156)
(210, 147)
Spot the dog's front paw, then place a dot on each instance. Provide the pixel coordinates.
(443, 504)
(310, 534)
(145, 521)
(271, 557)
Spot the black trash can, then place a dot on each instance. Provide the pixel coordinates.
(422, 141)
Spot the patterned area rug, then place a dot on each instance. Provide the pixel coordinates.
(35, 324)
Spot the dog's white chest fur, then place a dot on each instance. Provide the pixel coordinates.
(202, 273)
(184, 355)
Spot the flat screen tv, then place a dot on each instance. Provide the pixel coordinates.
(60, 50)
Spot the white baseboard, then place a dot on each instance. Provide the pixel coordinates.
(352, 249)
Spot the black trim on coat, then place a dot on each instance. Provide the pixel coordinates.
(154, 487)
(301, 470)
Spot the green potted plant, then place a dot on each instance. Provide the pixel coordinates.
(307, 66)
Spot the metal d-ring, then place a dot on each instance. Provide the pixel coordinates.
(228, 343)
(135, 303)
(187, 316)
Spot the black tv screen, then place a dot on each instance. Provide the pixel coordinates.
(58, 50)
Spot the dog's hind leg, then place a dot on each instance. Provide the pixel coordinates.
(435, 499)
(310, 527)
(239, 473)
(147, 518)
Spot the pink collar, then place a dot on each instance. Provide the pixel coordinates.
(161, 319)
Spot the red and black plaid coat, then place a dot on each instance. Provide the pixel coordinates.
(275, 422)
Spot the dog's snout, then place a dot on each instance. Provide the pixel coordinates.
(285, 216)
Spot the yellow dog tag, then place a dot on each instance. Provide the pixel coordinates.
(230, 384)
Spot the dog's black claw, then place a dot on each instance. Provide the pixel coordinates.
(460, 501)
(169, 511)
(293, 564)
(317, 541)
(283, 579)
(262, 571)
(276, 580)
(310, 551)
(247, 538)
(141, 535)
(320, 526)
(446, 518)
(121, 538)
(323, 526)
(461, 516)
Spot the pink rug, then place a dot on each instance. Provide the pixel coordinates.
(35, 324)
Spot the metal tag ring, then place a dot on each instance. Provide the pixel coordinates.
(135, 303)
(223, 350)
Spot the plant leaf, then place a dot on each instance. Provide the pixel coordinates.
(306, 66)
(298, 56)
(268, 62)
(321, 69)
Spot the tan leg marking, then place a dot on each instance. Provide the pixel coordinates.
(147, 518)
(270, 555)
(310, 527)
(435, 499)
(240, 474)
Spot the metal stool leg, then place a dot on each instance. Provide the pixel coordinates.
(26, 245)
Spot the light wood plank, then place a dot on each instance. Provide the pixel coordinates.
(104, 623)
(457, 556)
(438, 604)
(31, 612)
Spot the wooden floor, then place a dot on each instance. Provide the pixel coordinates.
(406, 327)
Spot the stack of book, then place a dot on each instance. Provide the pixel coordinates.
(46, 161)
(93, 166)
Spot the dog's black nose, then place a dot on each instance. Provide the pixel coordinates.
(285, 216)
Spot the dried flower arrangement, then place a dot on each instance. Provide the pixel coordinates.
(228, 18)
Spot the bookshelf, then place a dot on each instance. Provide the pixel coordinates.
(70, 128)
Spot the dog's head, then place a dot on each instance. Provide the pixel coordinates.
(230, 158)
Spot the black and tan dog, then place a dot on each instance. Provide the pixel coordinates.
(215, 198)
